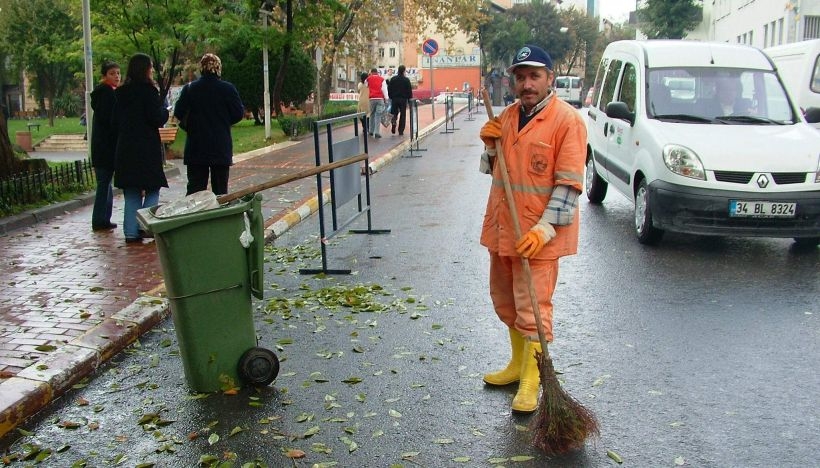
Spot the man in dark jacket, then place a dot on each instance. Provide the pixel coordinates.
(206, 109)
(103, 143)
(400, 91)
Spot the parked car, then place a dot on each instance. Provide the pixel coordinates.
(588, 99)
(568, 88)
(457, 97)
(731, 157)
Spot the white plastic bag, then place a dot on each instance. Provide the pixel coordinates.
(199, 201)
(246, 237)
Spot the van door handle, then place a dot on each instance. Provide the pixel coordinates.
(606, 128)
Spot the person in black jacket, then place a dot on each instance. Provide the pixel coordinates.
(103, 143)
(400, 92)
(206, 109)
(138, 114)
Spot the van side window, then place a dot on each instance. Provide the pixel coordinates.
(599, 78)
(608, 87)
(815, 77)
(629, 87)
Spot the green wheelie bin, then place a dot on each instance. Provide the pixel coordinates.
(211, 268)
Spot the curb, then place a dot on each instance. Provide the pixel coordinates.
(41, 383)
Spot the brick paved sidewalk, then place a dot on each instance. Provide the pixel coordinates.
(70, 298)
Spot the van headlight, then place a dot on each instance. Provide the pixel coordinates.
(817, 172)
(683, 161)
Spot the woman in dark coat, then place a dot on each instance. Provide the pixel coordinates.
(138, 114)
(103, 143)
(207, 108)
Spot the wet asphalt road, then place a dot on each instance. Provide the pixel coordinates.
(699, 352)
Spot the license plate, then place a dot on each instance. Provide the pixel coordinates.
(761, 209)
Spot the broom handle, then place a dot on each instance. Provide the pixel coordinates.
(525, 262)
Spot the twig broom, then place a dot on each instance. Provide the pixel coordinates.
(561, 423)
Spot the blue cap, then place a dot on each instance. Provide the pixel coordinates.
(531, 56)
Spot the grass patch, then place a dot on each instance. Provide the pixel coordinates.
(246, 135)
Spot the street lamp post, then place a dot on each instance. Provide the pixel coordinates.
(89, 70)
(265, 74)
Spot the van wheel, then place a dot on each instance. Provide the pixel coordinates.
(595, 186)
(806, 242)
(646, 232)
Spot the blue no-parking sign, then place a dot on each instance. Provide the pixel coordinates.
(430, 47)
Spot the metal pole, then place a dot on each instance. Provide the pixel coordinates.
(432, 90)
(265, 77)
(89, 71)
(316, 99)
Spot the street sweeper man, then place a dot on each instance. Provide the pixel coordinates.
(543, 141)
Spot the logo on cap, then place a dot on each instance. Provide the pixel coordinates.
(523, 54)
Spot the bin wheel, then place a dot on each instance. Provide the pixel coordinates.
(259, 366)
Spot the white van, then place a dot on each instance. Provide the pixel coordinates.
(729, 154)
(799, 66)
(568, 88)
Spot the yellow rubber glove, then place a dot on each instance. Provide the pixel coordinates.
(490, 131)
(534, 240)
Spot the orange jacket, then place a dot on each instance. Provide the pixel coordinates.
(550, 150)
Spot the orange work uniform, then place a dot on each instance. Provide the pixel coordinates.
(550, 150)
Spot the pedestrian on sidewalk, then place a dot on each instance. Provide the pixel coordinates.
(364, 99)
(543, 140)
(400, 92)
(377, 87)
(103, 144)
(138, 114)
(206, 109)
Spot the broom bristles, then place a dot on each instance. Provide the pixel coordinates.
(561, 423)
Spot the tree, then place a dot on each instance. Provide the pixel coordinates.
(348, 27)
(8, 163)
(669, 19)
(45, 41)
(536, 23)
(242, 63)
(582, 32)
(166, 31)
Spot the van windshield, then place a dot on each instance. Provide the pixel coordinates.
(717, 96)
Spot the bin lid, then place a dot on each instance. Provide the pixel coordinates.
(149, 220)
(195, 202)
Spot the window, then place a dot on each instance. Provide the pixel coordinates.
(780, 31)
(811, 29)
(765, 35)
(610, 81)
(773, 27)
(381, 52)
(392, 52)
(599, 77)
(629, 87)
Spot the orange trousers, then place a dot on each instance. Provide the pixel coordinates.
(511, 294)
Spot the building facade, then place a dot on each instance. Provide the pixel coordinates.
(759, 23)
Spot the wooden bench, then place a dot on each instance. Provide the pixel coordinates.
(167, 135)
(33, 125)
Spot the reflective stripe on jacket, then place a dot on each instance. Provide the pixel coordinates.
(550, 150)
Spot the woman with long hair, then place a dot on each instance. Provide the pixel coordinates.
(138, 115)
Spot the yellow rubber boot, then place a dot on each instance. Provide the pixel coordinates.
(526, 400)
(512, 372)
